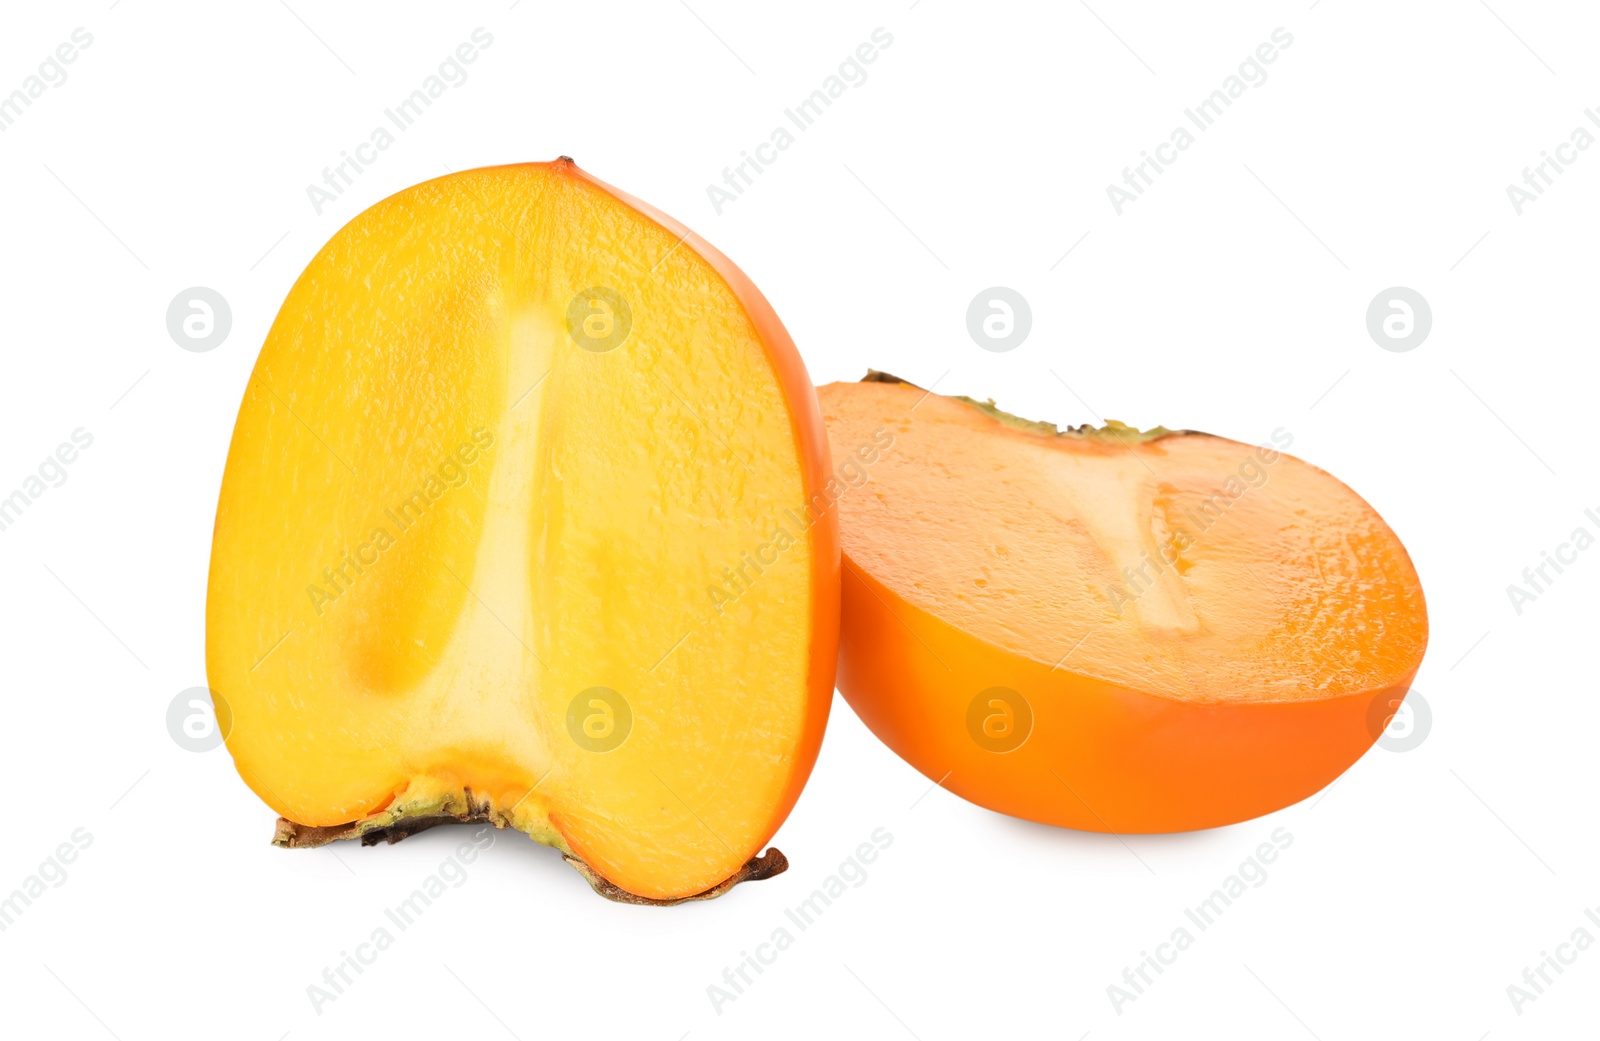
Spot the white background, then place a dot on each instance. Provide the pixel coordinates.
(1230, 298)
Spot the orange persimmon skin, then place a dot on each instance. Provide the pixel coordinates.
(1112, 743)
(1099, 757)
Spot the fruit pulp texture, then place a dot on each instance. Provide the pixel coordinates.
(505, 432)
(1198, 626)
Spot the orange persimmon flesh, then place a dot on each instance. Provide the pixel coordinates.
(1108, 630)
(506, 430)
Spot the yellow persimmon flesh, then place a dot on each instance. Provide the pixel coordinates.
(508, 433)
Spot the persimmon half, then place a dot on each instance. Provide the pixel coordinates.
(1107, 629)
(508, 433)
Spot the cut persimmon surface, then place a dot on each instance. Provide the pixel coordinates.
(507, 429)
(1108, 629)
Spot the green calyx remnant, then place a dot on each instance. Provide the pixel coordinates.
(405, 818)
(1114, 432)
